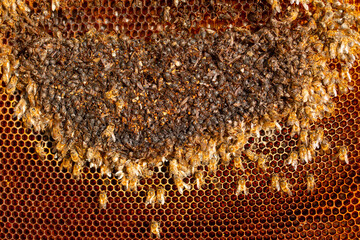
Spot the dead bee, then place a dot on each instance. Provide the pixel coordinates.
(112, 94)
(39, 148)
(310, 182)
(155, 229)
(20, 109)
(275, 182)
(343, 154)
(160, 195)
(103, 200)
(241, 188)
(285, 187)
(293, 160)
(109, 132)
(151, 197)
(199, 178)
(180, 184)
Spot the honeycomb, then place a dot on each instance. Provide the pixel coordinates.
(40, 201)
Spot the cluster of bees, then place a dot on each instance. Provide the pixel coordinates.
(124, 106)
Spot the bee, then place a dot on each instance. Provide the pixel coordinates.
(61, 147)
(343, 154)
(195, 161)
(180, 184)
(160, 195)
(155, 229)
(255, 128)
(174, 168)
(105, 170)
(293, 159)
(77, 169)
(319, 136)
(119, 168)
(176, 3)
(213, 164)
(151, 196)
(305, 95)
(224, 155)
(66, 164)
(261, 162)
(132, 169)
(275, 182)
(304, 154)
(250, 155)
(275, 5)
(199, 178)
(133, 182)
(241, 187)
(109, 132)
(304, 137)
(292, 119)
(294, 130)
(305, 123)
(6, 72)
(325, 145)
(11, 87)
(310, 182)
(167, 14)
(56, 130)
(238, 163)
(20, 109)
(310, 113)
(125, 182)
(331, 90)
(103, 200)
(39, 148)
(55, 4)
(22, 7)
(74, 156)
(211, 149)
(285, 186)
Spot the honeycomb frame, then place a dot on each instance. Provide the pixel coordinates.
(40, 201)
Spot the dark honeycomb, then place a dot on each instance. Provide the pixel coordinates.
(40, 201)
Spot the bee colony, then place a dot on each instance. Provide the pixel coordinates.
(182, 103)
